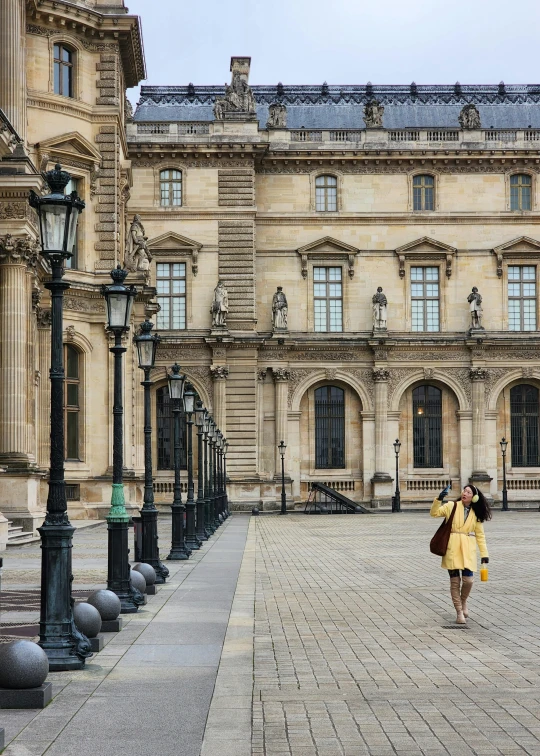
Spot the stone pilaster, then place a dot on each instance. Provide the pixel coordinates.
(261, 376)
(381, 481)
(281, 382)
(479, 474)
(220, 373)
(13, 63)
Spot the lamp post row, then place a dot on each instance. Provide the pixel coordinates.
(66, 647)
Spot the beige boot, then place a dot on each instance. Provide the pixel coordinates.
(466, 588)
(456, 599)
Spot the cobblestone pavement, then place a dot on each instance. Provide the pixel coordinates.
(355, 650)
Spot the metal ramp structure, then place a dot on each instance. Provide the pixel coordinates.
(325, 500)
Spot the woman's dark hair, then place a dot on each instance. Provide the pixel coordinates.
(481, 508)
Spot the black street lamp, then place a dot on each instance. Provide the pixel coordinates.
(221, 498)
(146, 344)
(179, 549)
(64, 645)
(192, 542)
(119, 300)
(504, 444)
(212, 438)
(281, 448)
(208, 519)
(396, 499)
(226, 498)
(199, 422)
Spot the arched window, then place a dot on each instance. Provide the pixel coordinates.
(63, 70)
(427, 426)
(524, 425)
(72, 402)
(520, 191)
(171, 188)
(326, 193)
(165, 432)
(329, 427)
(423, 192)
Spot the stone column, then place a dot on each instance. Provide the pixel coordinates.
(281, 381)
(220, 373)
(381, 481)
(261, 376)
(13, 63)
(479, 476)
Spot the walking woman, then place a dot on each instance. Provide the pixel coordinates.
(467, 532)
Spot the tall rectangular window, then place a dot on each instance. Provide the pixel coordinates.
(425, 298)
(63, 71)
(326, 194)
(423, 192)
(73, 186)
(171, 296)
(524, 418)
(328, 299)
(427, 426)
(522, 297)
(72, 402)
(329, 428)
(520, 192)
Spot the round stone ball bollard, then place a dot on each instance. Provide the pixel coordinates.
(147, 571)
(255, 512)
(138, 581)
(23, 664)
(107, 603)
(87, 618)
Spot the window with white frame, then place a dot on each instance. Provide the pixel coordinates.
(425, 298)
(520, 191)
(63, 70)
(328, 299)
(522, 297)
(170, 183)
(326, 194)
(171, 295)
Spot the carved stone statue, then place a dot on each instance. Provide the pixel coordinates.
(238, 99)
(380, 305)
(277, 116)
(280, 310)
(475, 306)
(220, 306)
(469, 118)
(137, 255)
(373, 114)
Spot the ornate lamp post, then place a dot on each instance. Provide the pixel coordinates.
(179, 549)
(146, 344)
(281, 448)
(208, 518)
(221, 501)
(192, 542)
(226, 498)
(199, 422)
(504, 443)
(396, 501)
(119, 300)
(212, 472)
(65, 646)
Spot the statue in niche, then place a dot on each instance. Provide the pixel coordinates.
(277, 116)
(137, 256)
(380, 306)
(220, 306)
(475, 306)
(238, 98)
(469, 118)
(280, 310)
(373, 114)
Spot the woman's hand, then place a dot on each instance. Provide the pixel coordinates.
(484, 560)
(443, 493)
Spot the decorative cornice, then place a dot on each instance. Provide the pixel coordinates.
(18, 250)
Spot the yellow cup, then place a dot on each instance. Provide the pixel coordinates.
(483, 574)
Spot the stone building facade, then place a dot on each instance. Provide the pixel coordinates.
(377, 209)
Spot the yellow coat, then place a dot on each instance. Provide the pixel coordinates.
(461, 551)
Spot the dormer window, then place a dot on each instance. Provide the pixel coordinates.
(63, 70)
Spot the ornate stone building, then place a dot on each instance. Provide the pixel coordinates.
(377, 209)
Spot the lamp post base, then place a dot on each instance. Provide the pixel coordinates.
(179, 549)
(179, 553)
(118, 578)
(150, 548)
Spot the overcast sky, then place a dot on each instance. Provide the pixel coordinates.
(341, 41)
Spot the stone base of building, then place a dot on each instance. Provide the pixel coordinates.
(381, 490)
(3, 532)
(20, 500)
(482, 481)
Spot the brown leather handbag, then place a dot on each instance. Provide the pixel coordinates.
(439, 543)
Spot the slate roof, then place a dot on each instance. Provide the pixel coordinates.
(501, 106)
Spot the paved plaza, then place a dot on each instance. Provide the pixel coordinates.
(306, 636)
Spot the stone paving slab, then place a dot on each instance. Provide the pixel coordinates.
(356, 651)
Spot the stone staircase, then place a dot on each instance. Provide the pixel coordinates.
(18, 537)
